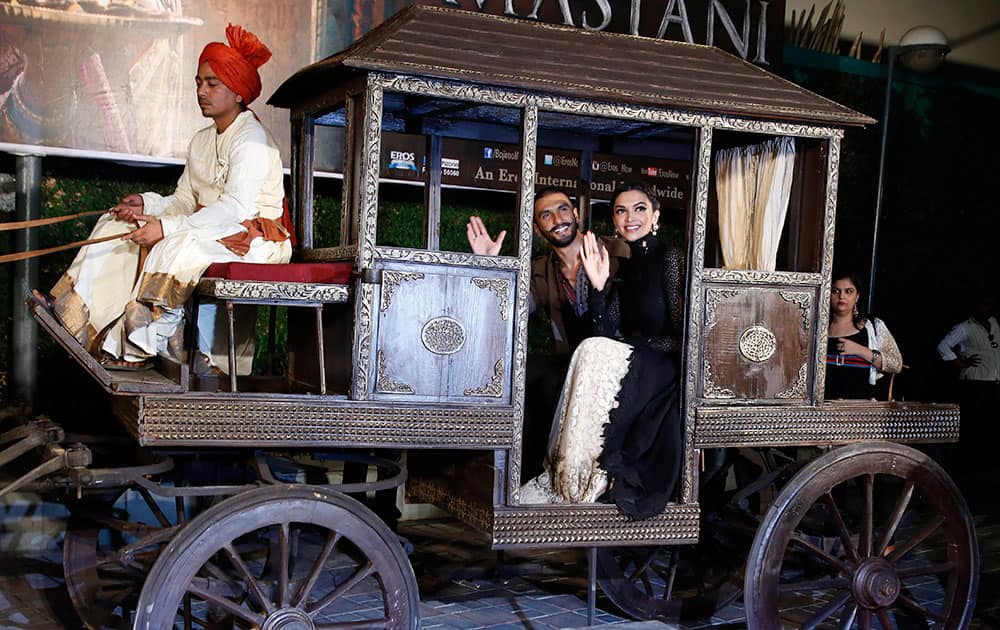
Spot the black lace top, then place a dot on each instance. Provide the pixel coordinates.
(644, 303)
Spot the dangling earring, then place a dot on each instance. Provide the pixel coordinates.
(855, 311)
(656, 228)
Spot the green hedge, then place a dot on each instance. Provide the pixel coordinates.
(79, 186)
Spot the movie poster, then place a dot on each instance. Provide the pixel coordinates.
(117, 76)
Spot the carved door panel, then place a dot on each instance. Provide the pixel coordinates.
(442, 334)
(757, 343)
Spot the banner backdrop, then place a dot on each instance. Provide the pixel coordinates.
(117, 76)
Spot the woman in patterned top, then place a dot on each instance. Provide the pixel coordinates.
(859, 350)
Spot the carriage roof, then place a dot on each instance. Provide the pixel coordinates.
(569, 62)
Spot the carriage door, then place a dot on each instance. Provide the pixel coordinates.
(765, 282)
(435, 323)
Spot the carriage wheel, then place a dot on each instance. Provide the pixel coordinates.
(282, 557)
(857, 534)
(106, 557)
(668, 583)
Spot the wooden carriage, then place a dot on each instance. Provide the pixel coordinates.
(425, 349)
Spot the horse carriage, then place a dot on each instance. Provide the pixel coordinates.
(424, 350)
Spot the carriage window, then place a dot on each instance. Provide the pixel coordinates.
(766, 203)
(328, 172)
(591, 157)
(442, 161)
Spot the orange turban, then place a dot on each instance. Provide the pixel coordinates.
(236, 65)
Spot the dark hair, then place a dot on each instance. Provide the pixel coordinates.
(639, 186)
(551, 190)
(860, 316)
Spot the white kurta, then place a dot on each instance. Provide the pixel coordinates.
(228, 178)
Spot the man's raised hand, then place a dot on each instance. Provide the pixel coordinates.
(479, 238)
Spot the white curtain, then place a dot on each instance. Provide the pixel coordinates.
(753, 185)
(735, 190)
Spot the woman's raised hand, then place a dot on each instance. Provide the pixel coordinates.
(479, 238)
(596, 263)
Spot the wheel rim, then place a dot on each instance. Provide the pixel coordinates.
(282, 558)
(668, 583)
(106, 557)
(861, 531)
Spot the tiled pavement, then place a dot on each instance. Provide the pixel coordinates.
(461, 584)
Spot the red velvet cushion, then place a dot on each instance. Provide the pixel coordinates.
(322, 273)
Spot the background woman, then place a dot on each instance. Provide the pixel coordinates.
(859, 349)
(616, 434)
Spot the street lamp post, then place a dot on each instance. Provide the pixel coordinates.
(921, 49)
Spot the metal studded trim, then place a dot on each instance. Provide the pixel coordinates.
(591, 525)
(232, 420)
(832, 423)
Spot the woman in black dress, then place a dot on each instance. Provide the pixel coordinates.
(859, 349)
(616, 435)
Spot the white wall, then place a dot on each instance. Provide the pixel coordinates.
(957, 18)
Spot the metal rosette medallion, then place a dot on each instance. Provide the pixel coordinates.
(757, 344)
(443, 335)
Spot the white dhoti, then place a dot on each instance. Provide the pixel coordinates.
(232, 182)
(110, 306)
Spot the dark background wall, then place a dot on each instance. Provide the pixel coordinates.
(940, 222)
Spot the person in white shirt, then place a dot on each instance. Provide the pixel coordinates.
(123, 299)
(973, 346)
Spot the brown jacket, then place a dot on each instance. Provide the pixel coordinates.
(547, 291)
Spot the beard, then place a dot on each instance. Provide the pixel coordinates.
(563, 241)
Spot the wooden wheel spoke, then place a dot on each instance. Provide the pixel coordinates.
(148, 546)
(801, 540)
(284, 559)
(366, 624)
(933, 569)
(848, 619)
(249, 579)
(919, 537)
(647, 585)
(641, 570)
(868, 518)
(115, 597)
(897, 515)
(883, 618)
(842, 531)
(865, 619)
(356, 578)
(226, 604)
(909, 604)
(331, 543)
(154, 507)
(668, 588)
(830, 583)
(824, 613)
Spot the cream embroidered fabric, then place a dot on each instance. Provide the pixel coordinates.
(577, 438)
